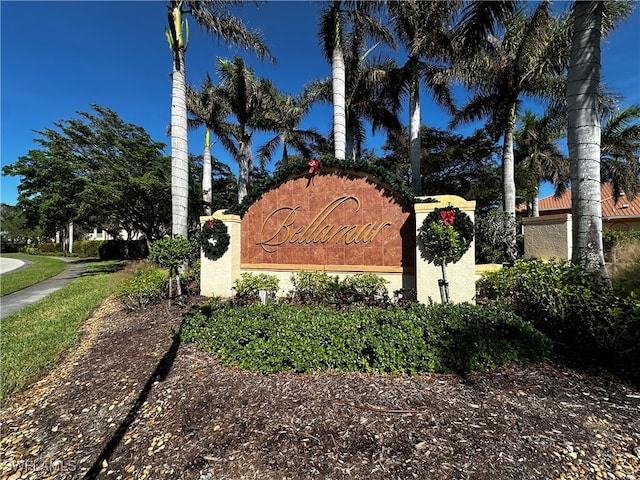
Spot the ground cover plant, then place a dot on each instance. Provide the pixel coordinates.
(40, 269)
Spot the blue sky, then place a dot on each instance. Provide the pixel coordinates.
(58, 58)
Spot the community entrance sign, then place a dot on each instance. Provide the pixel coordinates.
(340, 222)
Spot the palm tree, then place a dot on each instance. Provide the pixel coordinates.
(528, 61)
(537, 153)
(584, 128)
(214, 17)
(244, 94)
(422, 28)
(335, 18)
(207, 108)
(283, 116)
(620, 150)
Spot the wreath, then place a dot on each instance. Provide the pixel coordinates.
(214, 239)
(446, 235)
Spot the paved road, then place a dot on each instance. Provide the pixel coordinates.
(10, 264)
(15, 301)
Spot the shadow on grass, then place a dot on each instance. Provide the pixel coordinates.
(96, 266)
(159, 374)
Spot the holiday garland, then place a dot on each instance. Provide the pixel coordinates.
(214, 239)
(446, 235)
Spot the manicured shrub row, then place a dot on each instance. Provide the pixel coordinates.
(571, 307)
(87, 248)
(123, 250)
(414, 339)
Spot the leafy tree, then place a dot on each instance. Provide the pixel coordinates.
(214, 17)
(95, 170)
(14, 225)
(451, 164)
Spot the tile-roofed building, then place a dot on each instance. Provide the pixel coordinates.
(623, 214)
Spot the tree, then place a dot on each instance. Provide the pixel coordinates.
(244, 94)
(620, 150)
(451, 164)
(584, 129)
(283, 115)
(214, 17)
(208, 108)
(334, 20)
(95, 170)
(527, 61)
(538, 156)
(422, 28)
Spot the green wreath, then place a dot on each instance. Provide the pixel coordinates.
(446, 235)
(214, 239)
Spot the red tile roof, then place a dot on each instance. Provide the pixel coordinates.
(624, 207)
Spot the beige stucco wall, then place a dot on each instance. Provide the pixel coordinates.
(461, 275)
(547, 236)
(217, 277)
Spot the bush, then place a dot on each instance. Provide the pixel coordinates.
(495, 241)
(87, 248)
(119, 249)
(366, 289)
(284, 337)
(571, 307)
(48, 247)
(145, 288)
(248, 287)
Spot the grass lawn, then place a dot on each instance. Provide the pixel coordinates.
(33, 339)
(41, 269)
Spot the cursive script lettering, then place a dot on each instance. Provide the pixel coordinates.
(279, 228)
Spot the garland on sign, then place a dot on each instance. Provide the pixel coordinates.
(446, 235)
(214, 239)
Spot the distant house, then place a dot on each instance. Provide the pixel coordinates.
(622, 213)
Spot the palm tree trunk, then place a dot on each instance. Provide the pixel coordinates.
(583, 136)
(206, 173)
(243, 173)
(414, 135)
(508, 170)
(179, 149)
(338, 77)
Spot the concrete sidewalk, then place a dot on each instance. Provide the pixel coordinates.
(15, 301)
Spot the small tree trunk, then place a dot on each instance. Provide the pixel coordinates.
(444, 285)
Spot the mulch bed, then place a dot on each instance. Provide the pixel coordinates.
(133, 403)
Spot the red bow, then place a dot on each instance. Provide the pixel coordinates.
(448, 216)
(210, 223)
(313, 164)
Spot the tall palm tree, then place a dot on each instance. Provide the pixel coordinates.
(584, 128)
(423, 29)
(527, 61)
(244, 94)
(283, 116)
(334, 20)
(207, 108)
(214, 17)
(537, 153)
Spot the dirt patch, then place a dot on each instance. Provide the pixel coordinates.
(131, 402)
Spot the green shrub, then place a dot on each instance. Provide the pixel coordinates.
(365, 289)
(87, 248)
(571, 307)
(48, 247)
(119, 249)
(32, 251)
(284, 337)
(248, 286)
(145, 288)
(313, 287)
